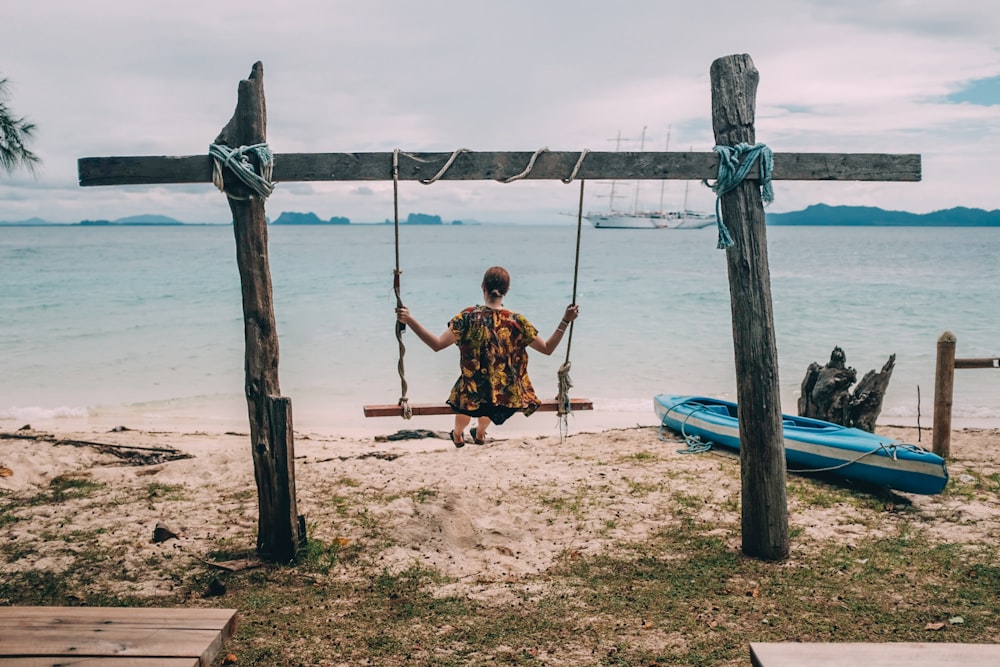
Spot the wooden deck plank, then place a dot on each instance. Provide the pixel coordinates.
(106, 640)
(425, 409)
(177, 637)
(61, 661)
(891, 654)
(192, 619)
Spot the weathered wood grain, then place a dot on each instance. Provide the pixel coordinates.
(153, 170)
(762, 455)
(890, 654)
(110, 636)
(277, 527)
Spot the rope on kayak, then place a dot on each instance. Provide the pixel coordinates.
(889, 451)
(695, 445)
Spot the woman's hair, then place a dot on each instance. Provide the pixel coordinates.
(496, 281)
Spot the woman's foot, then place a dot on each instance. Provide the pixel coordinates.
(475, 436)
(458, 439)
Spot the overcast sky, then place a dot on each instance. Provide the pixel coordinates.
(106, 77)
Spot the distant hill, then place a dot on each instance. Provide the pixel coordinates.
(292, 218)
(815, 215)
(870, 216)
(30, 222)
(419, 219)
(146, 220)
(424, 219)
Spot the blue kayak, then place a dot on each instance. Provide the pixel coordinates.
(812, 445)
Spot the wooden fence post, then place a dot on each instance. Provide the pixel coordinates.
(944, 386)
(762, 451)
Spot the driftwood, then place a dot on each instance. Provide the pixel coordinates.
(827, 394)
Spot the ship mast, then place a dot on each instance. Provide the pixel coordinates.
(663, 183)
(642, 145)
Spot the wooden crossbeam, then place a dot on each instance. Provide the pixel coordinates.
(425, 409)
(551, 165)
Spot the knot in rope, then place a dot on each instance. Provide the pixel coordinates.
(238, 161)
(564, 407)
(735, 162)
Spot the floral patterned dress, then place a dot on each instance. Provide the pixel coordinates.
(494, 348)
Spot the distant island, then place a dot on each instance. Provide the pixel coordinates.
(292, 218)
(815, 215)
(157, 220)
(870, 216)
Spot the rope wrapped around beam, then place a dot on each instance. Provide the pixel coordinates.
(238, 161)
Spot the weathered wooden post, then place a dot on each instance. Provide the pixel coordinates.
(270, 415)
(762, 451)
(944, 387)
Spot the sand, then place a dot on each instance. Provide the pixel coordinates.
(479, 514)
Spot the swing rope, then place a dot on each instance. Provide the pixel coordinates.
(564, 408)
(527, 170)
(404, 402)
(732, 173)
(564, 405)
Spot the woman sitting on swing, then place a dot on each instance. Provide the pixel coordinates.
(493, 342)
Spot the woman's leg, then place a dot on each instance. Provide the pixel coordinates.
(481, 424)
(461, 421)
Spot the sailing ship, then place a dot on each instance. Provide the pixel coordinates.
(651, 220)
(638, 219)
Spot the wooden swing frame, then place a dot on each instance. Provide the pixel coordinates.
(404, 408)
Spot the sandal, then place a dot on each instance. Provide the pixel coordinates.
(458, 443)
(475, 436)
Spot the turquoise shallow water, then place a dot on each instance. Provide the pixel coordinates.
(143, 326)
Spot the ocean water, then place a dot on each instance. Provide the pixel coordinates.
(142, 326)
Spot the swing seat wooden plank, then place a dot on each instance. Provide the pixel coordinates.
(426, 409)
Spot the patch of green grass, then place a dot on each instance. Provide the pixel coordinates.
(639, 457)
(8, 507)
(68, 487)
(684, 596)
(423, 494)
(572, 503)
(972, 484)
(686, 501)
(156, 491)
(341, 504)
(640, 489)
(990, 483)
(322, 557)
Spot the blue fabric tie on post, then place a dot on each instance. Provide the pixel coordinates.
(735, 162)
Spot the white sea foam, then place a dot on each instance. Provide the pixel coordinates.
(35, 413)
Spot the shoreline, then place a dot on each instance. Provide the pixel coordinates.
(311, 421)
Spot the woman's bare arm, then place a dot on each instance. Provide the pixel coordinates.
(547, 347)
(436, 343)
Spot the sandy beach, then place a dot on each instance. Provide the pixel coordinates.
(480, 515)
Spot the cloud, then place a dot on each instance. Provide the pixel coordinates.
(110, 77)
